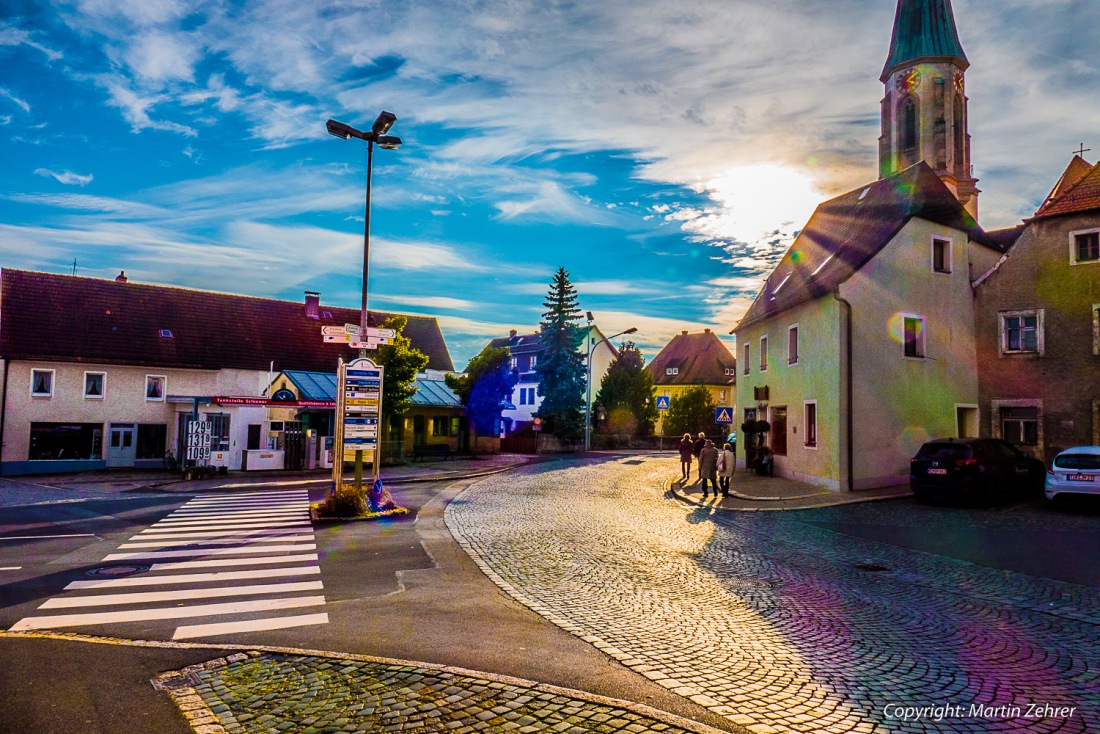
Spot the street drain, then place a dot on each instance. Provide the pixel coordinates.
(870, 567)
(114, 571)
(634, 461)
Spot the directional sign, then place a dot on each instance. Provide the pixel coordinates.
(333, 331)
(356, 330)
(354, 341)
(723, 415)
(662, 402)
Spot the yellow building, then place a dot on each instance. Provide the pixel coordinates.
(693, 360)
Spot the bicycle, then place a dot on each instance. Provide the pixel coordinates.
(170, 462)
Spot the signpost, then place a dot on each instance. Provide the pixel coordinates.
(662, 402)
(358, 410)
(198, 442)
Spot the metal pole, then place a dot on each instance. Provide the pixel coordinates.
(588, 398)
(366, 249)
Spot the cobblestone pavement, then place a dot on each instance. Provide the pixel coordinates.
(270, 692)
(783, 626)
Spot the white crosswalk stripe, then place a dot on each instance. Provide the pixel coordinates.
(260, 537)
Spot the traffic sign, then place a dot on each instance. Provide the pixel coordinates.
(662, 402)
(356, 330)
(333, 330)
(354, 341)
(723, 415)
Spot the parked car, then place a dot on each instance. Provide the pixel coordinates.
(1074, 471)
(985, 468)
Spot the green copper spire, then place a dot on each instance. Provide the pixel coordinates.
(923, 28)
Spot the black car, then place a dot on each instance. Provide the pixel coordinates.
(986, 468)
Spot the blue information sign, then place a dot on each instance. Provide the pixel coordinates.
(662, 402)
(723, 415)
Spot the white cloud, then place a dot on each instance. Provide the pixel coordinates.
(431, 302)
(135, 108)
(66, 177)
(21, 104)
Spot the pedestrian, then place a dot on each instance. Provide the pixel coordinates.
(765, 464)
(732, 441)
(686, 451)
(697, 447)
(708, 466)
(726, 461)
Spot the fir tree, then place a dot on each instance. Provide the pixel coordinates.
(560, 367)
(626, 394)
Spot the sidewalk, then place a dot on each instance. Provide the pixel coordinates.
(750, 492)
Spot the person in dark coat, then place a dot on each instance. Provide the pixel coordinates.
(686, 452)
(697, 447)
(708, 466)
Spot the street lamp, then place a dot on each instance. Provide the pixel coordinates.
(377, 134)
(588, 381)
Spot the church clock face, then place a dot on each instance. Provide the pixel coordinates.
(959, 84)
(907, 81)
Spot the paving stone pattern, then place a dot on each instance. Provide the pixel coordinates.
(779, 625)
(308, 695)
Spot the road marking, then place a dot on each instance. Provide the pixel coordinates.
(232, 517)
(219, 562)
(142, 615)
(250, 500)
(220, 541)
(287, 528)
(202, 527)
(10, 568)
(35, 537)
(151, 596)
(187, 632)
(152, 555)
(194, 578)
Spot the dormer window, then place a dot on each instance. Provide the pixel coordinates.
(166, 334)
(672, 371)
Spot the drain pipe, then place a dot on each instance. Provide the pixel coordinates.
(848, 379)
(4, 412)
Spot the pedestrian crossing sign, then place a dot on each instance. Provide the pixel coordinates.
(662, 402)
(723, 415)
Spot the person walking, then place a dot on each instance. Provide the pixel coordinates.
(708, 467)
(726, 462)
(697, 447)
(686, 451)
(732, 441)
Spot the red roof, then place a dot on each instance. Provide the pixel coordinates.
(63, 318)
(699, 359)
(1077, 191)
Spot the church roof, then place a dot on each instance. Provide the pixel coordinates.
(846, 232)
(1077, 191)
(922, 29)
(65, 318)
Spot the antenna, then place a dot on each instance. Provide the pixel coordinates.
(74, 266)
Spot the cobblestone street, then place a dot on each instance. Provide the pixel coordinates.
(782, 626)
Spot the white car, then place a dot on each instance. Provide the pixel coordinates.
(1074, 471)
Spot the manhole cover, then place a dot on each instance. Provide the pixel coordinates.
(871, 567)
(111, 571)
(633, 461)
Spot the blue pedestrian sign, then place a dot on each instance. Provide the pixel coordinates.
(662, 402)
(723, 415)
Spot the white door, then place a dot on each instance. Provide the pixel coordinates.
(121, 449)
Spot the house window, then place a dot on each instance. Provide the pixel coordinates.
(440, 426)
(1020, 425)
(913, 336)
(748, 354)
(721, 396)
(941, 255)
(779, 430)
(456, 425)
(792, 344)
(1085, 247)
(731, 371)
(514, 362)
(527, 396)
(763, 353)
(909, 130)
(42, 383)
(93, 385)
(534, 361)
(1022, 332)
(750, 414)
(154, 387)
(672, 371)
(809, 436)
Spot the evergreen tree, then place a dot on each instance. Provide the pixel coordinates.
(484, 387)
(690, 412)
(560, 367)
(626, 394)
(402, 363)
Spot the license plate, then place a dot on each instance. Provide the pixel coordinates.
(937, 471)
(1080, 477)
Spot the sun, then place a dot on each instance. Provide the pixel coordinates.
(761, 199)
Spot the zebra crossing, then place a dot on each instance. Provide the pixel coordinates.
(248, 561)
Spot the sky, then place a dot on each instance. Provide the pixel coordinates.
(665, 154)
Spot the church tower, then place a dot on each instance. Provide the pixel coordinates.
(924, 111)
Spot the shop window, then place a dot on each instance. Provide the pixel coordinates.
(65, 441)
(152, 440)
(42, 383)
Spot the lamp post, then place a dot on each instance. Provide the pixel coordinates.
(588, 381)
(377, 134)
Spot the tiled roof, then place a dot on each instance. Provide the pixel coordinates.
(923, 29)
(49, 317)
(519, 343)
(1005, 238)
(1082, 196)
(700, 359)
(845, 232)
(431, 390)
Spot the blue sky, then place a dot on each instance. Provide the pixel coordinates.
(663, 153)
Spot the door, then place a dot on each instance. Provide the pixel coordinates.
(419, 431)
(966, 421)
(121, 449)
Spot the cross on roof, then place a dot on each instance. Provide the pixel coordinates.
(1082, 150)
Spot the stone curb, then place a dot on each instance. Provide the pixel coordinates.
(839, 500)
(194, 703)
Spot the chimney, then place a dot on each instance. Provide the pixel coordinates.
(684, 332)
(512, 333)
(121, 278)
(706, 331)
(313, 305)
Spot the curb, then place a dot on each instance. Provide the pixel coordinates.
(839, 500)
